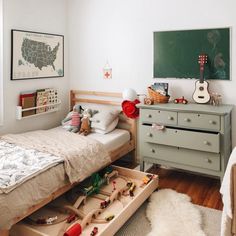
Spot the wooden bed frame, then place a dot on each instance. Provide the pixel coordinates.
(104, 98)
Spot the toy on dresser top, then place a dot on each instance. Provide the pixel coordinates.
(158, 93)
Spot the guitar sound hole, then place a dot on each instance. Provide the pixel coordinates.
(201, 88)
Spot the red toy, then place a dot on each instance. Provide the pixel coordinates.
(181, 100)
(75, 230)
(71, 218)
(105, 204)
(130, 109)
(94, 232)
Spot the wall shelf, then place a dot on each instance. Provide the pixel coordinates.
(52, 107)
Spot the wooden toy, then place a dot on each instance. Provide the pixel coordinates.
(181, 100)
(94, 232)
(147, 178)
(109, 217)
(89, 210)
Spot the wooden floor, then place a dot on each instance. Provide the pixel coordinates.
(203, 190)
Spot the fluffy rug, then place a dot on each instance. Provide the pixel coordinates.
(172, 214)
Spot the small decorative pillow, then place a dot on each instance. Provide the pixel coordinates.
(104, 118)
(110, 127)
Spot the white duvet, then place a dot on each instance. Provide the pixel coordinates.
(18, 164)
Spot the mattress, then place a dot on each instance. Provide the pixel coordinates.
(40, 187)
(112, 140)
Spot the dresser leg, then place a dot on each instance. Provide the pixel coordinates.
(142, 166)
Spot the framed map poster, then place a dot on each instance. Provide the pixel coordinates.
(36, 55)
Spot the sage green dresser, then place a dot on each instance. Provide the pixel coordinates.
(192, 137)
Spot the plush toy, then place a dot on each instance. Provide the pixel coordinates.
(72, 121)
(85, 127)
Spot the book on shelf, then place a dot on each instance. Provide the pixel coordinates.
(27, 100)
(41, 100)
(46, 96)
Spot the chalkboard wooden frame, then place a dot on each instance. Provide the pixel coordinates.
(176, 53)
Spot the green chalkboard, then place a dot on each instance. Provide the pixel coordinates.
(176, 53)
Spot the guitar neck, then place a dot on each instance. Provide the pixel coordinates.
(201, 73)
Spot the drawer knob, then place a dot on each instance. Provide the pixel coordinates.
(212, 122)
(149, 116)
(149, 134)
(186, 119)
(153, 150)
(170, 118)
(208, 160)
(206, 142)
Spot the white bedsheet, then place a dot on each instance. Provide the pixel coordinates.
(112, 140)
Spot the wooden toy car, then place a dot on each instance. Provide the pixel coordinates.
(104, 204)
(147, 178)
(94, 232)
(109, 217)
(181, 100)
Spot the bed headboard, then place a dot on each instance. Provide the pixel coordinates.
(105, 98)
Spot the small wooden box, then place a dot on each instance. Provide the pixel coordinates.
(122, 208)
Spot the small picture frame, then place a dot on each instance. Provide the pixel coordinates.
(36, 55)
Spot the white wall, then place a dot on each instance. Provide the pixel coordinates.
(122, 33)
(34, 15)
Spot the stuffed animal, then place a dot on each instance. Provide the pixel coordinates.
(72, 121)
(85, 127)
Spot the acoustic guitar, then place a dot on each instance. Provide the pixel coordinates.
(201, 94)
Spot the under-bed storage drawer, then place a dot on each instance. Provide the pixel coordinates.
(202, 141)
(122, 208)
(206, 160)
(159, 116)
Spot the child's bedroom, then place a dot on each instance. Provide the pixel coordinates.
(117, 118)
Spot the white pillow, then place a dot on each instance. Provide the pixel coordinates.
(104, 118)
(109, 128)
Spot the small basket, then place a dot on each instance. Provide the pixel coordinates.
(157, 97)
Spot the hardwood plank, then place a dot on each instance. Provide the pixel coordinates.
(203, 190)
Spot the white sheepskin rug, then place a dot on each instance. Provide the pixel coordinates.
(172, 214)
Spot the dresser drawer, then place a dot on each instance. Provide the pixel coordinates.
(182, 138)
(201, 121)
(159, 116)
(206, 160)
